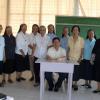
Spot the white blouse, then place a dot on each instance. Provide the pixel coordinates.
(31, 41)
(42, 44)
(22, 42)
(2, 45)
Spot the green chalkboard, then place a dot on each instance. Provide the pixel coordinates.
(85, 23)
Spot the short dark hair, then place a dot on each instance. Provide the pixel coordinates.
(63, 30)
(90, 31)
(74, 27)
(56, 38)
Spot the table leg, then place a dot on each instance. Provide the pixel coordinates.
(41, 84)
(70, 76)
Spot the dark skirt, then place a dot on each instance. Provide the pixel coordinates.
(97, 71)
(86, 70)
(22, 63)
(9, 66)
(37, 70)
(1, 67)
(76, 72)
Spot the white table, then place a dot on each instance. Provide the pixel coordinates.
(51, 66)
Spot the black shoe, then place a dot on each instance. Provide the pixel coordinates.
(96, 91)
(31, 79)
(84, 85)
(56, 89)
(75, 87)
(18, 79)
(89, 86)
(1, 85)
(23, 79)
(10, 81)
(50, 89)
(36, 84)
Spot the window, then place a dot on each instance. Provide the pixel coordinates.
(43, 12)
(3, 13)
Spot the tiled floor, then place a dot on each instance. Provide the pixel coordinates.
(26, 91)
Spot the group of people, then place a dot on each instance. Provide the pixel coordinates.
(17, 54)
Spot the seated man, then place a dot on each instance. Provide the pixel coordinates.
(55, 53)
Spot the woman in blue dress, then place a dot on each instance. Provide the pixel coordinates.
(64, 38)
(86, 72)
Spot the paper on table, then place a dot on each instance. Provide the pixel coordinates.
(58, 61)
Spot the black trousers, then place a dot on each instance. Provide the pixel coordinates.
(1, 67)
(62, 76)
(49, 78)
(36, 70)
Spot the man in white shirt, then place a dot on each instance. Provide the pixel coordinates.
(41, 44)
(2, 45)
(55, 53)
